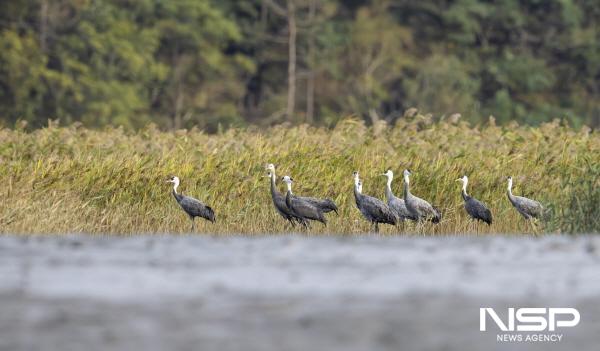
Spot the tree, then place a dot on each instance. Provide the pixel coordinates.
(214, 64)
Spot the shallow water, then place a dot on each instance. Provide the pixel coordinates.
(288, 292)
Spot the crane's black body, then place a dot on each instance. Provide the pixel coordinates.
(304, 209)
(281, 206)
(325, 205)
(476, 209)
(193, 207)
(374, 210)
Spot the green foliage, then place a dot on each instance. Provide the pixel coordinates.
(22, 67)
(119, 63)
(444, 84)
(212, 64)
(580, 212)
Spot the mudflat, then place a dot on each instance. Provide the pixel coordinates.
(290, 292)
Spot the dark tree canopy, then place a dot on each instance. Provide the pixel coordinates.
(215, 64)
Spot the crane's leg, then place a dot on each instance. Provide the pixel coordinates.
(527, 224)
(419, 227)
(376, 227)
(289, 223)
(193, 224)
(305, 224)
(534, 226)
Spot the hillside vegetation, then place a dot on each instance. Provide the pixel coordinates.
(74, 179)
(221, 63)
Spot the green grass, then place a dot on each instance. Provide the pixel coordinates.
(73, 179)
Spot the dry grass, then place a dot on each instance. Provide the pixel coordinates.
(79, 180)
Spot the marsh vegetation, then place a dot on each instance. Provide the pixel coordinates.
(75, 179)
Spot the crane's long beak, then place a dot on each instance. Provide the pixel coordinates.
(458, 180)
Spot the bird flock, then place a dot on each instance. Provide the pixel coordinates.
(301, 210)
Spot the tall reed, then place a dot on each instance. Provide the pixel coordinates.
(72, 179)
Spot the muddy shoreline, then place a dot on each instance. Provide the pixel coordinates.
(165, 292)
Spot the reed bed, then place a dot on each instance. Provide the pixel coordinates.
(72, 179)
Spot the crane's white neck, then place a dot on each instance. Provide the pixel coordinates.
(356, 180)
(510, 186)
(406, 179)
(465, 181)
(175, 184)
(359, 187)
(289, 187)
(389, 180)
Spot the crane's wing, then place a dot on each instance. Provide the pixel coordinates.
(307, 210)
(423, 207)
(426, 210)
(478, 210)
(531, 207)
(378, 210)
(280, 205)
(398, 206)
(196, 208)
(326, 205)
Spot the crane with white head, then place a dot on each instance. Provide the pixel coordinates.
(325, 205)
(475, 208)
(193, 207)
(528, 208)
(420, 209)
(372, 209)
(395, 204)
(279, 202)
(302, 208)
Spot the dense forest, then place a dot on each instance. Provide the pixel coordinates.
(220, 63)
